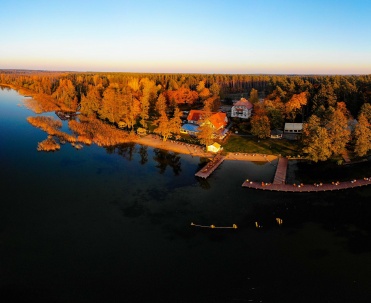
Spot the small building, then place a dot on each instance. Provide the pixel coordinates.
(276, 134)
(141, 131)
(214, 148)
(242, 109)
(294, 128)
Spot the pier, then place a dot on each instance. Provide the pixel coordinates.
(207, 170)
(279, 182)
(280, 176)
(300, 188)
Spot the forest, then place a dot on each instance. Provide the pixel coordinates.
(335, 109)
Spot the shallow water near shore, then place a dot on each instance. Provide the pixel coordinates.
(114, 225)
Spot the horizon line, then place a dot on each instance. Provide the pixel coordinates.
(187, 73)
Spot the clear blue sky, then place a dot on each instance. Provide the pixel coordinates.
(231, 36)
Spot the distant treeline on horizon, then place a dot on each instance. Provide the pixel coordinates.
(354, 90)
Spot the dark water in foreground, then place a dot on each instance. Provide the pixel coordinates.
(98, 226)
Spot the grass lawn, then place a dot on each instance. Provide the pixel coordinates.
(242, 144)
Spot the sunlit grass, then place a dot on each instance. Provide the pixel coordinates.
(94, 130)
(40, 103)
(246, 144)
(51, 127)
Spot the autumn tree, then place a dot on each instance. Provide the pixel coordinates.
(148, 94)
(175, 123)
(182, 95)
(254, 96)
(362, 134)
(91, 103)
(211, 104)
(200, 87)
(206, 129)
(366, 111)
(325, 96)
(112, 104)
(130, 110)
(338, 131)
(167, 127)
(215, 89)
(317, 144)
(163, 126)
(203, 92)
(205, 134)
(66, 95)
(161, 104)
(275, 112)
(260, 126)
(295, 104)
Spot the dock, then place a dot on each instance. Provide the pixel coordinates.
(207, 170)
(300, 188)
(279, 182)
(280, 176)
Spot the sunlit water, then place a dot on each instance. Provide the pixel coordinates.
(93, 225)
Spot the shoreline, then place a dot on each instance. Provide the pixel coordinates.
(198, 151)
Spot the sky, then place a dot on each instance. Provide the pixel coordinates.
(229, 37)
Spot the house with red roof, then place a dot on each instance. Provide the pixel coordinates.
(218, 120)
(196, 118)
(242, 109)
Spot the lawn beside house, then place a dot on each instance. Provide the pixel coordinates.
(247, 144)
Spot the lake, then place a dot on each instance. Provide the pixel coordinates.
(114, 225)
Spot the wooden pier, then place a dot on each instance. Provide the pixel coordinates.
(279, 182)
(280, 176)
(210, 167)
(300, 188)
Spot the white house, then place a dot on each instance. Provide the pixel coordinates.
(242, 109)
(294, 128)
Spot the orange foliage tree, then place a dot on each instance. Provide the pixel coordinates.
(182, 95)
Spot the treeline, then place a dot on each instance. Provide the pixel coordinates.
(130, 100)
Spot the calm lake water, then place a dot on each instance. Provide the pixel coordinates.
(97, 225)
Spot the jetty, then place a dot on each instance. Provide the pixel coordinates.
(212, 226)
(280, 176)
(279, 182)
(301, 188)
(207, 170)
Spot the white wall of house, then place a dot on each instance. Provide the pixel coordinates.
(241, 112)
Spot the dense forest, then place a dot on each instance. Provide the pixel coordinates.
(336, 109)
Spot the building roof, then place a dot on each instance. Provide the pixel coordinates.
(293, 126)
(244, 102)
(195, 115)
(216, 145)
(218, 120)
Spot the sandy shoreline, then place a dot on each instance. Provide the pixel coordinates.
(198, 151)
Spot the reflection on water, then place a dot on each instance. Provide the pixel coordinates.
(165, 159)
(108, 225)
